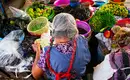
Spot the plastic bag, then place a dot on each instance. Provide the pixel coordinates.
(44, 40)
(104, 43)
(11, 54)
(19, 13)
(107, 42)
(45, 1)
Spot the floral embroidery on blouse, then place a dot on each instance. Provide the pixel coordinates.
(41, 61)
(63, 48)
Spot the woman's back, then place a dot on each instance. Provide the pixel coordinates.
(60, 61)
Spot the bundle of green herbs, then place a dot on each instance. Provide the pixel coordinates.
(102, 20)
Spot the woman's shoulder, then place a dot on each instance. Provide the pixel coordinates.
(81, 37)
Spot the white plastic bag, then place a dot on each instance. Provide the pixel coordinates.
(19, 13)
(106, 41)
(11, 55)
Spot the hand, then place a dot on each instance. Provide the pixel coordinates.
(36, 47)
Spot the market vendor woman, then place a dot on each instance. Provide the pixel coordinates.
(68, 54)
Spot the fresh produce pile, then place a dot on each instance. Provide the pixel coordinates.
(58, 10)
(101, 21)
(7, 25)
(37, 27)
(27, 44)
(37, 9)
(116, 9)
(79, 12)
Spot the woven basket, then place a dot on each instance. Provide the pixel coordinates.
(44, 27)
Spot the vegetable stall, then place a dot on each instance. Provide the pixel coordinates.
(33, 24)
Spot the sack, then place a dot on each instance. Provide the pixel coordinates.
(124, 72)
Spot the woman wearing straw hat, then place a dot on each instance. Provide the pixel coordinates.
(68, 54)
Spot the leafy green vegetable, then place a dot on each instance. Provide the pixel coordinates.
(37, 10)
(102, 20)
(37, 27)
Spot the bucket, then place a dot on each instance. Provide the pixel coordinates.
(61, 3)
(38, 26)
(123, 22)
(84, 28)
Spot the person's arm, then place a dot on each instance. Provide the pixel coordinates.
(36, 70)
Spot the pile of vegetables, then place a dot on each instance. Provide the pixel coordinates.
(58, 10)
(37, 9)
(79, 12)
(27, 44)
(9, 24)
(116, 9)
(37, 27)
(101, 21)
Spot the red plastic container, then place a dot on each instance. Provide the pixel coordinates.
(123, 22)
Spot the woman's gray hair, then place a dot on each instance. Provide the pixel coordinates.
(64, 25)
